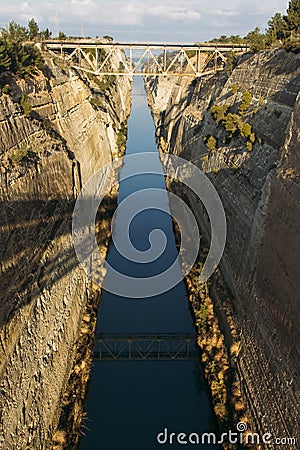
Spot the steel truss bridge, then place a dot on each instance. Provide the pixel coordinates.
(146, 59)
(145, 347)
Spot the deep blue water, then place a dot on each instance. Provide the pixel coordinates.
(130, 402)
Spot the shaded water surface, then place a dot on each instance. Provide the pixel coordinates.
(130, 402)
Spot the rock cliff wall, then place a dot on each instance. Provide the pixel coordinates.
(49, 147)
(259, 188)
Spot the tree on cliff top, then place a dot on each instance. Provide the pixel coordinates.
(257, 40)
(5, 60)
(33, 29)
(17, 56)
(14, 32)
(278, 28)
(293, 16)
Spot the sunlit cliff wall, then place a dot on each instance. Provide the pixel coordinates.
(260, 193)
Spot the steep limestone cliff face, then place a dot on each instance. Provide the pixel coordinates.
(46, 157)
(259, 189)
(277, 278)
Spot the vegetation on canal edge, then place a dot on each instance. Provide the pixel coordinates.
(211, 342)
(218, 358)
(122, 135)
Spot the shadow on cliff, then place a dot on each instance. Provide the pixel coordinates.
(36, 248)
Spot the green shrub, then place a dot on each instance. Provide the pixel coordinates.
(5, 89)
(234, 88)
(61, 36)
(230, 62)
(203, 316)
(219, 112)
(121, 139)
(293, 45)
(246, 102)
(18, 155)
(211, 144)
(122, 135)
(246, 130)
(104, 82)
(25, 105)
(252, 138)
(95, 102)
(232, 123)
(256, 40)
(191, 53)
(16, 55)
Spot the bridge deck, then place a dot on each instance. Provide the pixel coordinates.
(93, 43)
(145, 347)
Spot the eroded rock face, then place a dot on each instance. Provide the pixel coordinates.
(260, 193)
(45, 160)
(277, 275)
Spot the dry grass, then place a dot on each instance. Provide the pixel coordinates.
(239, 406)
(235, 349)
(59, 437)
(220, 410)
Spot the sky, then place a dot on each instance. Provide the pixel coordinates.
(145, 20)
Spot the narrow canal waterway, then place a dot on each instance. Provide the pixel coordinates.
(130, 402)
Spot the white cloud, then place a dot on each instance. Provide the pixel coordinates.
(225, 13)
(169, 20)
(174, 12)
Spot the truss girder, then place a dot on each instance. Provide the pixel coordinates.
(172, 59)
(145, 347)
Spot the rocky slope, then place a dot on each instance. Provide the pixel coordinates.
(49, 147)
(259, 188)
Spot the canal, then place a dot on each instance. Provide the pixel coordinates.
(130, 402)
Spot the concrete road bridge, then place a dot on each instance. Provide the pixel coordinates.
(145, 347)
(145, 59)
